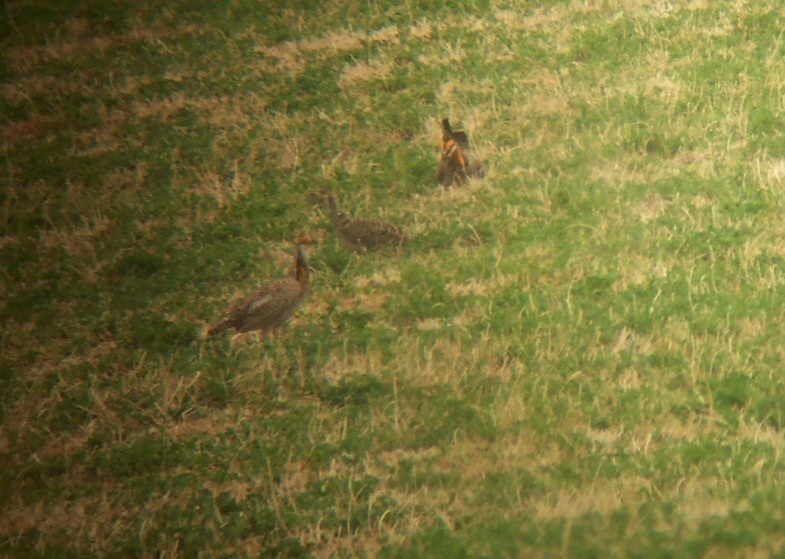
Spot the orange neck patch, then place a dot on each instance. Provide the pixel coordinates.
(453, 151)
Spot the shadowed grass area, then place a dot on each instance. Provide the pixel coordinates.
(577, 355)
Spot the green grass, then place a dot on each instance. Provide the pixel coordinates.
(579, 355)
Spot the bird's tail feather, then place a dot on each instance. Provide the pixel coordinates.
(220, 327)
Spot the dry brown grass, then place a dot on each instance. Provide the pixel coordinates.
(360, 71)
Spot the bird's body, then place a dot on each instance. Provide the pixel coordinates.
(362, 234)
(272, 304)
(455, 165)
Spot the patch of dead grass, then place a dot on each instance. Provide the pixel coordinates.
(236, 111)
(545, 18)
(601, 497)
(699, 501)
(421, 29)
(18, 131)
(379, 278)
(384, 35)
(287, 56)
(341, 41)
(25, 87)
(448, 54)
(18, 517)
(637, 269)
(162, 109)
(675, 430)
(66, 445)
(59, 49)
(630, 379)
(338, 368)
(369, 302)
(213, 424)
(447, 360)
(470, 287)
(635, 169)
(73, 43)
(770, 171)
(224, 192)
(79, 242)
(547, 103)
(233, 112)
(361, 71)
(628, 340)
(291, 56)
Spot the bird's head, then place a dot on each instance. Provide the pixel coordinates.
(448, 134)
(325, 197)
(446, 130)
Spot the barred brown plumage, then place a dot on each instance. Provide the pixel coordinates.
(273, 303)
(361, 234)
(454, 162)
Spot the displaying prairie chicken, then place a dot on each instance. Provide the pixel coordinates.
(455, 165)
(274, 303)
(360, 234)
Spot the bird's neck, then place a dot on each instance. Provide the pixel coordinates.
(336, 215)
(300, 271)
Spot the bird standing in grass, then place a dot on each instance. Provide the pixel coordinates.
(359, 234)
(454, 162)
(274, 303)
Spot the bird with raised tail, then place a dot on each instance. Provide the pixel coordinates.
(274, 302)
(455, 165)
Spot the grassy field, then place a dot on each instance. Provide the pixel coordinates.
(580, 355)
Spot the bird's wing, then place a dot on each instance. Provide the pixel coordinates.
(259, 302)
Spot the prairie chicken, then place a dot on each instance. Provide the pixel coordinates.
(359, 234)
(273, 303)
(454, 162)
